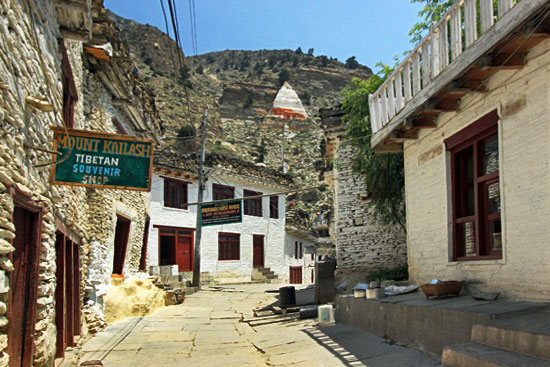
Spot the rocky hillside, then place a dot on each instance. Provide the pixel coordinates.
(238, 89)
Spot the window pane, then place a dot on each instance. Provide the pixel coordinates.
(493, 198)
(168, 231)
(490, 155)
(495, 235)
(466, 239)
(465, 183)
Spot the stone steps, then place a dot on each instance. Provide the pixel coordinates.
(480, 355)
(264, 274)
(516, 341)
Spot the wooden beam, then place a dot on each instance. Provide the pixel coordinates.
(424, 123)
(389, 148)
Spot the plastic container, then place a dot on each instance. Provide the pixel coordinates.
(287, 296)
(326, 314)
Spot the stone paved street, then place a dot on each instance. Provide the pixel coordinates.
(207, 330)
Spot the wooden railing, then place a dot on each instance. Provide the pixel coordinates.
(447, 39)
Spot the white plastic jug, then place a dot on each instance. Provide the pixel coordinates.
(326, 314)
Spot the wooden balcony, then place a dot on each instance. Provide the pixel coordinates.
(471, 42)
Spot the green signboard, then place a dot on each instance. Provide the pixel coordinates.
(101, 160)
(221, 213)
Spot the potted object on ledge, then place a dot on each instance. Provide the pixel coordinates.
(437, 288)
(375, 291)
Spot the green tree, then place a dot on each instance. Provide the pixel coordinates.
(351, 63)
(299, 51)
(384, 174)
(283, 76)
(431, 12)
(199, 69)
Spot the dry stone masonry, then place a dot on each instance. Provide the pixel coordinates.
(32, 100)
(362, 245)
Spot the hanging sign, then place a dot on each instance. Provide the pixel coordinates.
(101, 160)
(221, 213)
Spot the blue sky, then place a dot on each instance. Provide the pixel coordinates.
(371, 30)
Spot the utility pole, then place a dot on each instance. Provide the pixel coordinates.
(198, 234)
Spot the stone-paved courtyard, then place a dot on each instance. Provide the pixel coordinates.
(210, 329)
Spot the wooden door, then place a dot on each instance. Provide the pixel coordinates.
(184, 253)
(23, 287)
(257, 250)
(60, 300)
(121, 242)
(295, 275)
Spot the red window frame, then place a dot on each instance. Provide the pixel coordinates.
(470, 202)
(175, 193)
(229, 246)
(253, 206)
(221, 192)
(274, 207)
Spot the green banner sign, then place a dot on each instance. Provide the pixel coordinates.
(221, 213)
(101, 160)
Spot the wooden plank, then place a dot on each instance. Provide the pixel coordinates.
(381, 117)
(416, 81)
(444, 45)
(456, 34)
(384, 107)
(426, 67)
(374, 112)
(435, 57)
(391, 100)
(399, 99)
(487, 20)
(509, 22)
(470, 22)
(504, 6)
(407, 82)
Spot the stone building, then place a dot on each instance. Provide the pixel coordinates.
(63, 65)
(229, 252)
(362, 245)
(476, 140)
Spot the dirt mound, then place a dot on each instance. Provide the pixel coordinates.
(134, 297)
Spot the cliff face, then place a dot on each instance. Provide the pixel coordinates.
(238, 89)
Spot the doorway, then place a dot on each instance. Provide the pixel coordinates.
(295, 275)
(122, 232)
(258, 251)
(23, 285)
(67, 293)
(176, 247)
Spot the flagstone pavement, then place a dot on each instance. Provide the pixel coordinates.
(208, 330)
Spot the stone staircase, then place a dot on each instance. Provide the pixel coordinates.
(264, 275)
(520, 341)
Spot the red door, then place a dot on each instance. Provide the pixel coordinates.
(257, 250)
(184, 253)
(295, 275)
(23, 287)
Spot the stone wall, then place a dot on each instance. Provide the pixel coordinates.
(362, 244)
(522, 99)
(30, 66)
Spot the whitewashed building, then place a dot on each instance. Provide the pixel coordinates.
(229, 252)
(474, 131)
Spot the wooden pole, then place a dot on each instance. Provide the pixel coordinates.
(198, 234)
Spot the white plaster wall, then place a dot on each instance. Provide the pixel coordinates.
(272, 229)
(522, 99)
(290, 257)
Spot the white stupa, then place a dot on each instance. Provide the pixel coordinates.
(288, 105)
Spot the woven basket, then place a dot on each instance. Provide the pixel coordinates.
(442, 289)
